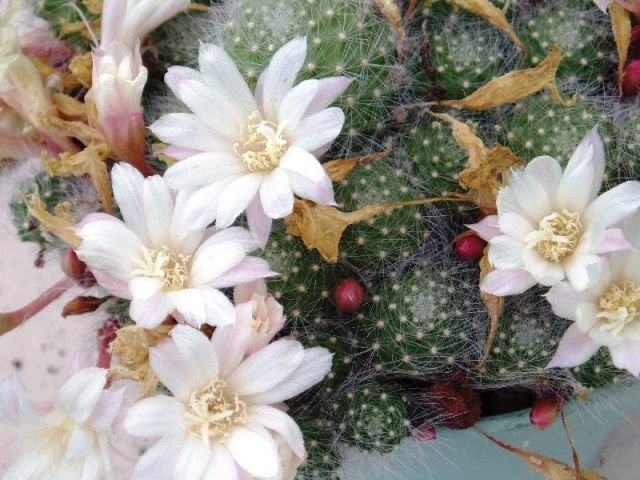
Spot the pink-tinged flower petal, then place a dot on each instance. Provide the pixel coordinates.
(613, 241)
(175, 372)
(507, 203)
(547, 172)
(193, 459)
(507, 282)
(179, 153)
(603, 4)
(319, 129)
(266, 368)
(259, 222)
(487, 228)
(128, 184)
(244, 292)
(583, 174)
(515, 226)
(221, 464)
(213, 260)
(108, 408)
(79, 396)
(192, 214)
(236, 197)
(626, 356)
(314, 367)
(545, 272)
(320, 192)
(196, 350)
(98, 248)
(113, 11)
(151, 312)
(276, 195)
(203, 305)
(506, 253)
(14, 405)
(185, 130)
(614, 205)
(113, 285)
(329, 89)
(586, 315)
(303, 163)
(177, 74)
(280, 75)
(251, 268)
(564, 300)
(78, 445)
(295, 103)
(253, 452)
(158, 210)
(574, 349)
(220, 73)
(231, 341)
(158, 461)
(150, 14)
(583, 271)
(279, 422)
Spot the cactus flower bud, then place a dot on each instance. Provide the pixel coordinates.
(546, 410)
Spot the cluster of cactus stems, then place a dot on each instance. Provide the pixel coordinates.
(423, 319)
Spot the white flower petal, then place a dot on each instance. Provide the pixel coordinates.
(236, 198)
(573, 193)
(151, 312)
(203, 169)
(329, 89)
(613, 240)
(220, 73)
(14, 404)
(250, 269)
(196, 350)
(506, 253)
(253, 452)
(158, 210)
(319, 192)
(564, 300)
(303, 163)
(314, 367)
(78, 445)
(221, 465)
(531, 196)
(319, 129)
(487, 228)
(515, 226)
(614, 205)
(583, 271)
(295, 103)
(589, 150)
(81, 393)
(586, 315)
(507, 203)
(574, 349)
(188, 131)
(109, 406)
(626, 356)
(280, 75)
(203, 305)
(276, 194)
(507, 282)
(545, 272)
(266, 368)
(157, 416)
(547, 172)
(214, 259)
(192, 215)
(158, 461)
(192, 460)
(142, 288)
(127, 191)
(279, 422)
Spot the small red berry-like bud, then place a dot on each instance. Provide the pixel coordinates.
(470, 247)
(425, 432)
(452, 406)
(349, 295)
(631, 79)
(72, 266)
(105, 335)
(545, 411)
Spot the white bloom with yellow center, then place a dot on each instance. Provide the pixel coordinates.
(226, 419)
(251, 151)
(607, 314)
(68, 439)
(162, 256)
(552, 225)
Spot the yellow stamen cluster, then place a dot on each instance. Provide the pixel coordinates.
(170, 268)
(211, 413)
(263, 146)
(557, 236)
(619, 306)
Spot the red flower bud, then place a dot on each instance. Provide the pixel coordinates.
(72, 266)
(469, 246)
(452, 406)
(631, 79)
(349, 295)
(545, 411)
